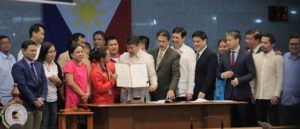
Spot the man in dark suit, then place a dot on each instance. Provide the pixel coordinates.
(167, 67)
(237, 67)
(206, 66)
(32, 84)
(252, 41)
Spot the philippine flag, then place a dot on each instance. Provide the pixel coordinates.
(87, 16)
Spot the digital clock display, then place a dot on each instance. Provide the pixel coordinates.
(278, 13)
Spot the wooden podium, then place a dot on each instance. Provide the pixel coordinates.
(71, 114)
(181, 115)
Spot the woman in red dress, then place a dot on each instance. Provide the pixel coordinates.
(102, 77)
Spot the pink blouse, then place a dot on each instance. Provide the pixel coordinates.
(80, 77)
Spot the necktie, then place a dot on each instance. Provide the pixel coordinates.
(32, 69)
(232, 59)
(160, 56)
(197, 56)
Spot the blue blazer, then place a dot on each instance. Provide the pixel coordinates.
(30, 87)
(244, 70)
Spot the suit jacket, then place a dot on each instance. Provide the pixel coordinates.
(258, 50)
(244, 70)
(30, 86)
(168, 73)
(205, 74)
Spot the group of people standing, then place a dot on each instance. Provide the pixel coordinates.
(258, 74)
(262, 77)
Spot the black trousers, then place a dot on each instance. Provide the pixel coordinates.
(266, 112)
(290, 115)
(242, 114)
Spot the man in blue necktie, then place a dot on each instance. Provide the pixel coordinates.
(32, 83)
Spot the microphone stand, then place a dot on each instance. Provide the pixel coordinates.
(192, 122)
(145, 92)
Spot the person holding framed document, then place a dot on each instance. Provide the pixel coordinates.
(141, 67)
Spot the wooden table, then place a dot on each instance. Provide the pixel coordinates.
(273, 127)
(62, 119)
(162, 116)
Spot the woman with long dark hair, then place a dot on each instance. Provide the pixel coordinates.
(220, 84)
(54, 78)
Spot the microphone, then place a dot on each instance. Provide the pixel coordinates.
(218, 117)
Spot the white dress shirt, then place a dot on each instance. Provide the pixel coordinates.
(255, 50)
(187, 70)
(29, 63)
(200, 53)
(236, 52)
(162, 56)
(269, 74)
(51, 70)
(115, 59)
(140, 58)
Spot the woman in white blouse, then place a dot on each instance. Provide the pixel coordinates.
(54, 76)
